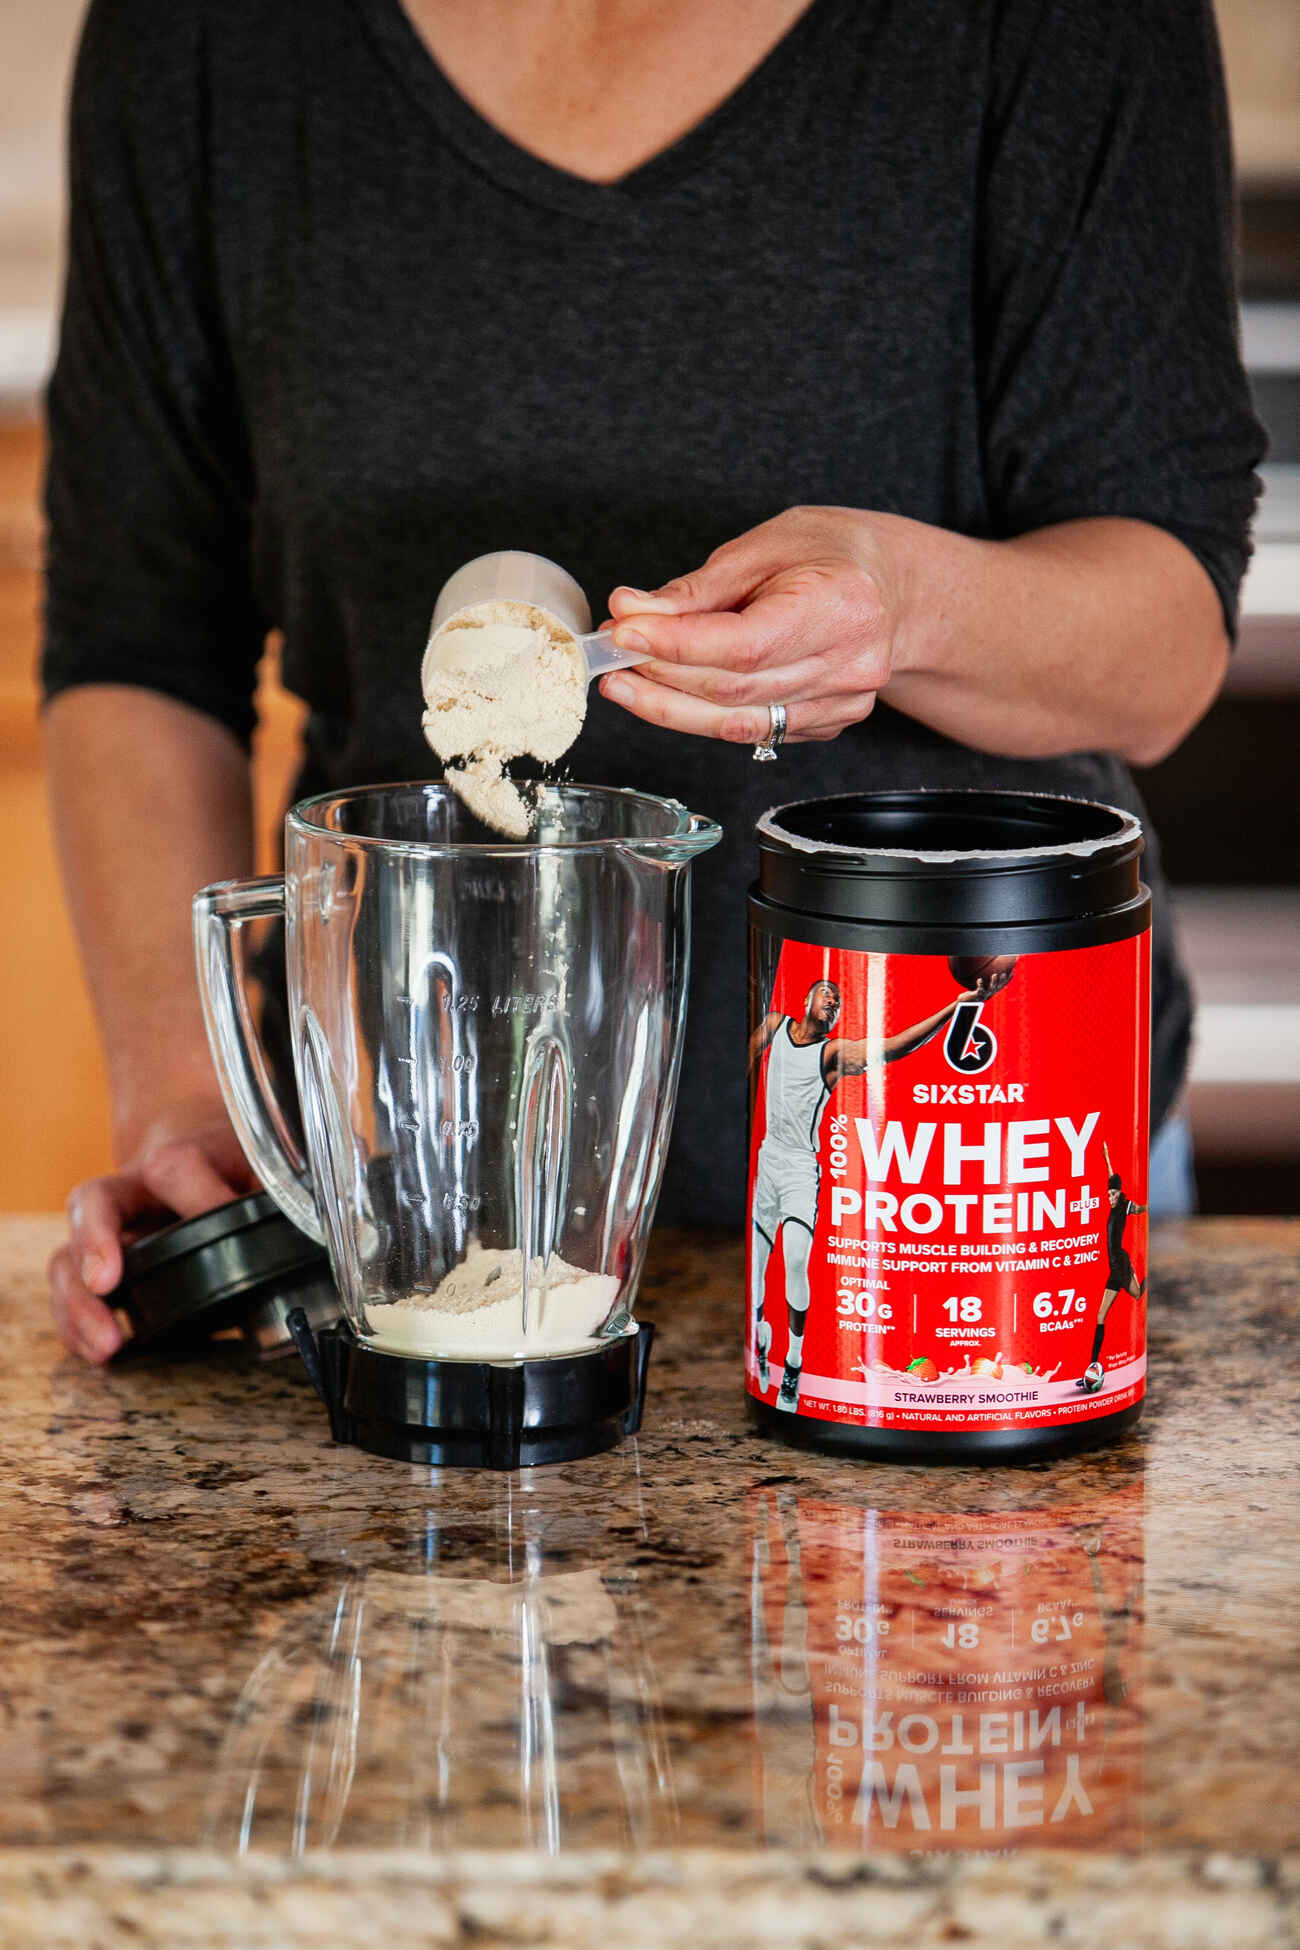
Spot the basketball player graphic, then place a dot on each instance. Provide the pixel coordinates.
(1120, 1275)
(804, 1065)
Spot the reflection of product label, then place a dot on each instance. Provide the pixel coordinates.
(967, 1681)
(948, 1187)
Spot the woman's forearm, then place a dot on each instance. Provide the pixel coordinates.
(1098, 633)
(150, 801)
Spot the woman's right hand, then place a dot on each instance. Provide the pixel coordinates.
(187, 1161)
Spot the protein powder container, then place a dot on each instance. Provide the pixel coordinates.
(949, 1055)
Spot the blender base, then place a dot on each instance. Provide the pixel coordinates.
(476, 1414)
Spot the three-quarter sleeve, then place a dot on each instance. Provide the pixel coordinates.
(149, 484)
(1109, 338)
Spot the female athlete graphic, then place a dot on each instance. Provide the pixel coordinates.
(804, 1066)
(1120, 1277)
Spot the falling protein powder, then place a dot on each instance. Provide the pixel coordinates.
(477, 1310)
(501, 680)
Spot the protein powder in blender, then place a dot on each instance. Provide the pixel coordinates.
(949, 1049)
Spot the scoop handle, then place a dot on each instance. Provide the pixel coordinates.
(603, 654)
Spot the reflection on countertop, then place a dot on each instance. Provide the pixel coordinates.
(699, 1690)
(951, 1681)
(482, 1677)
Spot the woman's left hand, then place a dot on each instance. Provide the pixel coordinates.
(803, 611)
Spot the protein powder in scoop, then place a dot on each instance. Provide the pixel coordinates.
(948, 1144)
(501, 680)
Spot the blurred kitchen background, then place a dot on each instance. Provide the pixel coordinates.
(1227, 803)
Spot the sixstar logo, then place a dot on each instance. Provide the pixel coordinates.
(969, 1046)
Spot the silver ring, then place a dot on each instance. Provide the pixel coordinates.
(767, 750)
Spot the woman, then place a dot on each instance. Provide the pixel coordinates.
(888, 352)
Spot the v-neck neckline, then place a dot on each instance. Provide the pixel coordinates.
(409, 56)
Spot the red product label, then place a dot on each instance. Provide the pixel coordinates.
(947, 1188)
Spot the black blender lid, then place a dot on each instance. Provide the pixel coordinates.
(242, 1265)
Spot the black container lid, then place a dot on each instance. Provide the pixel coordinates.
(950, 858)
(241, 1265)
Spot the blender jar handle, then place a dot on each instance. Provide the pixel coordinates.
(221, 913)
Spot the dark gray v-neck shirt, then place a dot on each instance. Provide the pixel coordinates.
(329, 334)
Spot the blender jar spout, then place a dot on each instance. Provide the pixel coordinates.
(696, 835)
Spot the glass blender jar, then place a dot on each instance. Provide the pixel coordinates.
(486, 1040)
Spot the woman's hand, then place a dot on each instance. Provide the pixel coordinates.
(803, 611)
(989, 985)
(1022, 647)
(188, 1161)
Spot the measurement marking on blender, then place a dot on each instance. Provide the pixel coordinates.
(525, 1003)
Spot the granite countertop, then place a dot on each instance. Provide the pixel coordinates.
(260, 1690)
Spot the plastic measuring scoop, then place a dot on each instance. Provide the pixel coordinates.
(514, 576)
(602, 654)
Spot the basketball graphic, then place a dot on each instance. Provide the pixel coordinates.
(969, 970)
